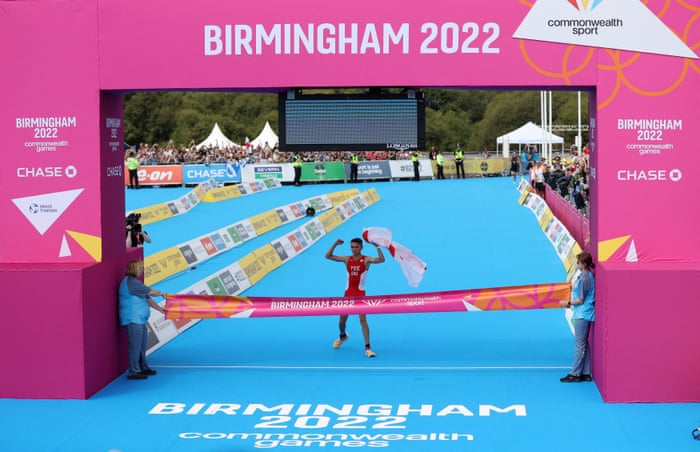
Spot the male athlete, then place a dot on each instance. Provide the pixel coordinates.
(357, 266)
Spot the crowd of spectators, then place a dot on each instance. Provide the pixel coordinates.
(170, 154)
(570, 178)
(567, 177)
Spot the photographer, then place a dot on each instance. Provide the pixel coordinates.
(135, 235)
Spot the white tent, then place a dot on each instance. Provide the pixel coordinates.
(266, 136)
(529, 134)
(216, 139)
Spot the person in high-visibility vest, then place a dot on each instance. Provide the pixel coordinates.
(132, 164)
(416, 166)
(297, 168)
(440, 162)
(459, 161)
(354, 164)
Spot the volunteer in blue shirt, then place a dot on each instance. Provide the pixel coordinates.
(134, 309)
(583, 304)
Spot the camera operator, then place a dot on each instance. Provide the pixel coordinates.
(135, 235)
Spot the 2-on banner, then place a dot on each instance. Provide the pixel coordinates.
(541, 296)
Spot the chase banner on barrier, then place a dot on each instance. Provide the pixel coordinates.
(187, 306)
(222, 173)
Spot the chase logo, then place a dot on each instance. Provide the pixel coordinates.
(585, 5)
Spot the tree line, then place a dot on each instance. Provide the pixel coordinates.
(472, 118)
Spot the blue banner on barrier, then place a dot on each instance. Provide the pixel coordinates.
(220, 172)
(373, 169)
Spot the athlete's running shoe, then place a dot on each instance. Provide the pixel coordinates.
(369, 353)
(338, 342)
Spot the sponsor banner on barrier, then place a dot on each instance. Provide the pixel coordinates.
(322, 171)
(252, 268)
(160, 329)
(536, 204)
(281, 172)
(228, 281)
(379, 169)
(241, 278)
(284, 248)
(163, 211)
(547, 217)
(314, 230)
(370, 196)
(268, 258)
(156, 213)
(265, 221)
(222, 173)
(165, 264)
(474, 166)
(268, 171)
(157, 175)
(197, 250)
(523, 185)
(241, 231)
(331, 219)
(340, 196)
(558, 235)
(223, 194)
(541, 296)
(215, 285)
(403, 169)
(247, 188)
(486, 166)
(234, 191)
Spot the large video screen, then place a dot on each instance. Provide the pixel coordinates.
(352, 122)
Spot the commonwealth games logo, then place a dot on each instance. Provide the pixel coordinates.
(585, 5)
(613, 24)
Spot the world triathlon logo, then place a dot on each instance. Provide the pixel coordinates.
(585, 5)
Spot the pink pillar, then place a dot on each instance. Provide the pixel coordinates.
(63, 340)
(646, 332)
(62, 262)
